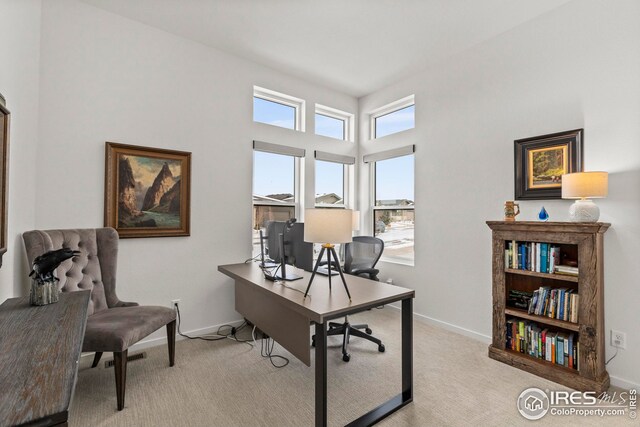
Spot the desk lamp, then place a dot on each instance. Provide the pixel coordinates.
(328, 227)
(583, 186)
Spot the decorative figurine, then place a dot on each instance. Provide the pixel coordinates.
(43, 283)
(511, 210)
(543, 215)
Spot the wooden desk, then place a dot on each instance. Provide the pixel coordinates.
(39, 353)
(284, 315)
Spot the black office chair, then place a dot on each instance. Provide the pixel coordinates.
(361, 256)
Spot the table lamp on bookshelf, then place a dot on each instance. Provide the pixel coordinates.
(584, 186)
(328, 227)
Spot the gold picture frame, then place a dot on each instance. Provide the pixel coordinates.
(5, 116)
(147, 191)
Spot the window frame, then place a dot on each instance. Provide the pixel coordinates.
(345, 186)
(347, 118)
(374, 208)
(297, 104)
(297, 186)
(387, 109)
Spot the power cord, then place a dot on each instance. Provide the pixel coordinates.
(266, 350)
(612, 357)
(218, 335)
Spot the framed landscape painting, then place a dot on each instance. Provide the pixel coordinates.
(541, 161)
(147, 191)
(4, 173)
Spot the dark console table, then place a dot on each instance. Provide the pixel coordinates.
(39, 353)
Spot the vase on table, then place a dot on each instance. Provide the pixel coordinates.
(43, 292)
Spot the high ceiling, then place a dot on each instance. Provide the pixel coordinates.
(353, 46)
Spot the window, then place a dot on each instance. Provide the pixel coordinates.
(392, 118)
(329, 184)
(334, 123)
(278, 109)
(275, 184)
(393, 212)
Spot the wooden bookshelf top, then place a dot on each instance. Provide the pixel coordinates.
(553, 227)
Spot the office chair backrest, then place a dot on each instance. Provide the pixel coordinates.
(362, 253)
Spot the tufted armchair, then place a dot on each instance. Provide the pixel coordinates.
(112, 325)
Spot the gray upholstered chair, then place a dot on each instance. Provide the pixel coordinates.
(112, 325)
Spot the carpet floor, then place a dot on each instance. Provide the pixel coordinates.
(226, 383)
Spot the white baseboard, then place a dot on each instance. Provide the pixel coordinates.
(624, 384)
(154, 342)
(449, 326)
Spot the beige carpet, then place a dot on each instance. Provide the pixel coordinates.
(226, 383)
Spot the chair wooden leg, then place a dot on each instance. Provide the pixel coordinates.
(171, 340)
(120, 365)
(96, 359)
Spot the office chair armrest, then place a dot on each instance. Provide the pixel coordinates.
(371, 272)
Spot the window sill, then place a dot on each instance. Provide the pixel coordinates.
(398, 261)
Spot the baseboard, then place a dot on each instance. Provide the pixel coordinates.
(624, 384)
(154, 342)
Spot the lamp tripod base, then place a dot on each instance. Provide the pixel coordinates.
(331, 252)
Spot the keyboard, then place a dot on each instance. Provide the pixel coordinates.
(325, 271)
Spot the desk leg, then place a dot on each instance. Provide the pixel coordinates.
(321, 374)
(407, 349)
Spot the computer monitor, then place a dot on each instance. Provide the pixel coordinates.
(263, 261)
(297, 251)
(274, 229)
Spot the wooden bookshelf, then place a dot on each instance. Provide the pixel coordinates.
(585, 240)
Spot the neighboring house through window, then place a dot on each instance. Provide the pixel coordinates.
(393, 210)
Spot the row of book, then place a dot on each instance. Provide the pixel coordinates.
(560, 348)
(556, 303)
(532, 256)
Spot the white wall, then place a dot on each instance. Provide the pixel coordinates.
(107, 78)
(576, 67)
(20, 53)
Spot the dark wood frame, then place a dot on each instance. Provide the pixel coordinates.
(4, 174)
(588, 239)
(573, 140)
(112, 153)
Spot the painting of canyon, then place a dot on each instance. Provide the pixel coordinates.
(147, 191)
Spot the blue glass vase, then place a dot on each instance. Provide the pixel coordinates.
(543, 215)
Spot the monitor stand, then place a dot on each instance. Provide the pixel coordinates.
(282, 274)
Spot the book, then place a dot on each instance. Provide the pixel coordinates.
(544, 248)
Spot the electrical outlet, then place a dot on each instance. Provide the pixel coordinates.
(174, 303)
(390, 281)
(619, 339)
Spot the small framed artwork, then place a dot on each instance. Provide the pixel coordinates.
(147, 191)
(541, 161)
(4, 173)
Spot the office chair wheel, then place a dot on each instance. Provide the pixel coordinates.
(381, 348)
(368, 330)
(346, 357)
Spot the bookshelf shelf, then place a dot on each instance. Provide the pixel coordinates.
(582, 242)
(542, 319)
(562, 277)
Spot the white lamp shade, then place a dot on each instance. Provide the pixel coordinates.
(328, 225)
(585, 185)
(355, 226)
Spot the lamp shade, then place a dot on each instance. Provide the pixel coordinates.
(585, 185)
(355, 226)
(328, 225)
